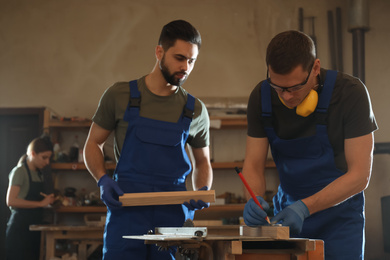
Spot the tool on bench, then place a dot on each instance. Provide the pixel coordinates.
(188, 231)
(251, 192)
(168, 236)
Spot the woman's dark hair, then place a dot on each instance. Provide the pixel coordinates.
(38, 145)
(289, 49)
(179, 30)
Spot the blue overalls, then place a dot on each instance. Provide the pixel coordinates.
(306, 165)
(153, 159)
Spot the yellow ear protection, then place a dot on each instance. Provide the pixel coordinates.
(307, 106)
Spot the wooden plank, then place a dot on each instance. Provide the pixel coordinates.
(276, 232)
(165, 198)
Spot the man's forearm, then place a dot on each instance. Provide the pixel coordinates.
(254, 165)
(202, 176)
(94, 160)
(203, 173)
(336, 192)
(358, 154)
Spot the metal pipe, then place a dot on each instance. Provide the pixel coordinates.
(339, 40)
(358, 25)
(332, 43)
(358, 51)
(300, 19)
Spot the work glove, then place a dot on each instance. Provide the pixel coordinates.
(293, 216)
(253, 214)
(110, 192)
(195, 205)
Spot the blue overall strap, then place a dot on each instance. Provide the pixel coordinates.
(325, 96)
(266, 106)
(134, 101)
(188, 111)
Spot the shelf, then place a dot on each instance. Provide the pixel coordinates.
(214, 211)
(77, 166)
(232, 122)
(85, 209)
(74, 122)
(111, 166)
(226, 122)
(232, 165)
(69, 124)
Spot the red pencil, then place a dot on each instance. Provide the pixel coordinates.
(251, 192)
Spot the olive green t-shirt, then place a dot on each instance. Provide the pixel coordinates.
(19, 177)
(114, 101)
(349, 115)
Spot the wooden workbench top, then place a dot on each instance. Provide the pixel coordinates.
(64, 228)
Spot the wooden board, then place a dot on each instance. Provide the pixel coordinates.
(166, 198)
(276, 232)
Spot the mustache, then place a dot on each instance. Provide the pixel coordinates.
(181, 73)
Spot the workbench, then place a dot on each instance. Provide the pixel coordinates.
(225, 243)
(221, 243)
(88, 238)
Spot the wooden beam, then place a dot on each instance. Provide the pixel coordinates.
(165, 198)
(276, 232)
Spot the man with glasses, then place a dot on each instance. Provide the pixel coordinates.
(319, 124)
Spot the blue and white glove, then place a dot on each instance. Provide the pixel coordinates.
(253, 214)
(293, 216)
(195, 205)
(110, 192)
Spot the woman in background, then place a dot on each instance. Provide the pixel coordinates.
(26, 200)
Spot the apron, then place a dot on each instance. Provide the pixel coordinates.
(153, 159)
(306, 165)
(21, 242)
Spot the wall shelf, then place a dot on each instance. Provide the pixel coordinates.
(111, 165)
(230, 122)
(77, 166)
(232, 165)
(55, 126)
(226, 122)
(83, 209)
(74, 122)
(214, 211)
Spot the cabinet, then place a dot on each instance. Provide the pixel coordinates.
(229, 125)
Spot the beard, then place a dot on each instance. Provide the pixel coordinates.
(171, 78)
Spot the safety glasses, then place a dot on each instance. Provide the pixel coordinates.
(292, 88)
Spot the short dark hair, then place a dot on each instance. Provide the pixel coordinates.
(179, 30)
(289, 49)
